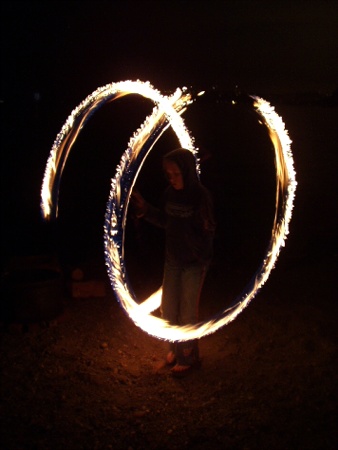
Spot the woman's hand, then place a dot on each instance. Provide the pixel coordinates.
(138, 203)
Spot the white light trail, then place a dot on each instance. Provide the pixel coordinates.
(167, 112)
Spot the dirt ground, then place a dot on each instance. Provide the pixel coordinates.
(89, 379)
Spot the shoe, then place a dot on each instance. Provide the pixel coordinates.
(183, 371)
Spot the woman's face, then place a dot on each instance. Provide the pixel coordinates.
(173, 174)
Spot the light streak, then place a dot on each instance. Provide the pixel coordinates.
(166, 108)
(167, 112)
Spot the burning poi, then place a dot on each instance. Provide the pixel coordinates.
(167, 112)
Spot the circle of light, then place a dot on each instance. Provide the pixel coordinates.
(166, 113)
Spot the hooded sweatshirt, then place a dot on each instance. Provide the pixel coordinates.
(186, 215)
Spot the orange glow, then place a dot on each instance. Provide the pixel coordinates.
(167, 110)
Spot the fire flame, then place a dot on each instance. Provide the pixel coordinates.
(141, 313)
(167, 112)
(166, 107)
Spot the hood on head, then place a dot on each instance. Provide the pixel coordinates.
(186, 162)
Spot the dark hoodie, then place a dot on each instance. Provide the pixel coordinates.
(186, 215)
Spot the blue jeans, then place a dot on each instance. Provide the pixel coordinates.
(182, 287)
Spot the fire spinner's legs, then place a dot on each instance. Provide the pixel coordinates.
(180, 299)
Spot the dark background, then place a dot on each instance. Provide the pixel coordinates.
(85, 380)
(55, 54)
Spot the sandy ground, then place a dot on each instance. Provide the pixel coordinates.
(89, 379)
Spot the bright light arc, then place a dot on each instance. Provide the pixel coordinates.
(167, 112)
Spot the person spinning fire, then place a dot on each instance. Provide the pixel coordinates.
(186, 214)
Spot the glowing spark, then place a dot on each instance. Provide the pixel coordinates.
(167, 106)
(141, 314)
(166, 113)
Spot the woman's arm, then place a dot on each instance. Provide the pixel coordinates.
(146, 211)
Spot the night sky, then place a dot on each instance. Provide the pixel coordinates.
(54, 54)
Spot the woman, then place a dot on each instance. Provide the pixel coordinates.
(187, 217)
